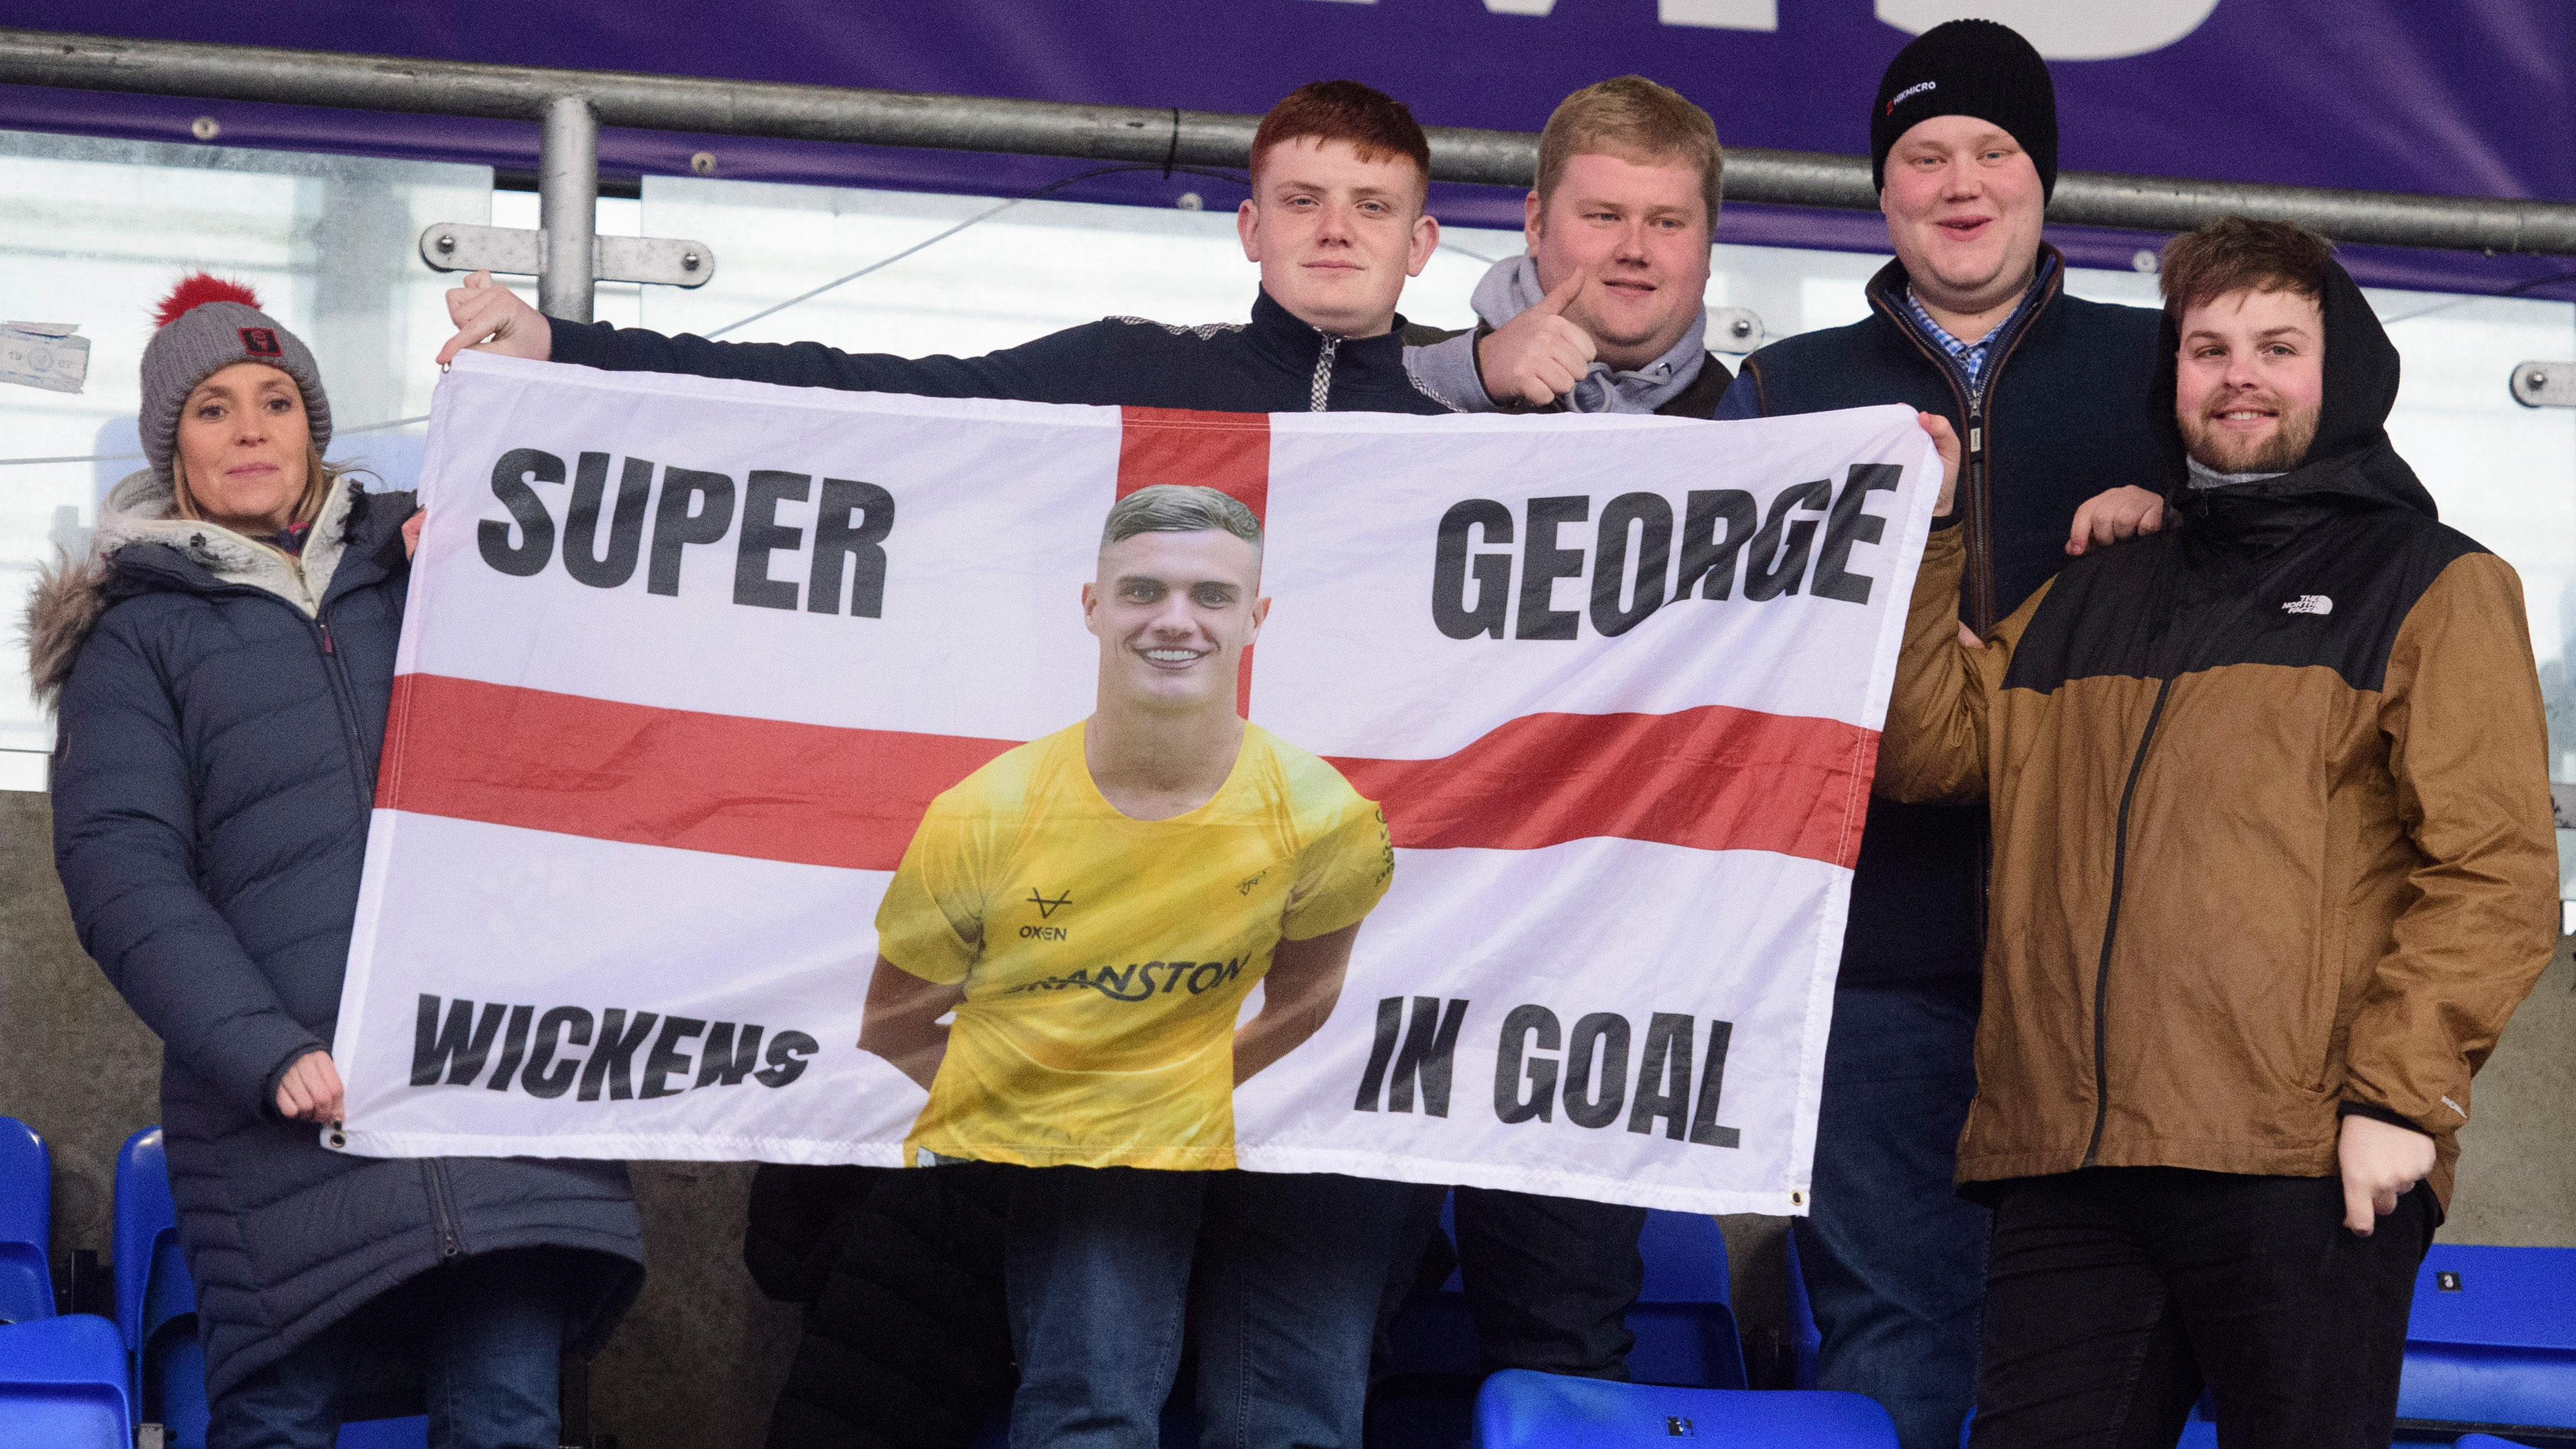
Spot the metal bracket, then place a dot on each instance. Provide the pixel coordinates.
(2545, 384)
(1735, 330)
(462, 247)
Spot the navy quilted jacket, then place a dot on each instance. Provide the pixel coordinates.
(211, 791)
(2065, 414)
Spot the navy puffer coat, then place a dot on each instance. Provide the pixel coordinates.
(220, 723)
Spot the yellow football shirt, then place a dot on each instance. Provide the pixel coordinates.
(1105, 958)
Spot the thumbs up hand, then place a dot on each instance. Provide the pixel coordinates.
(1538, 356)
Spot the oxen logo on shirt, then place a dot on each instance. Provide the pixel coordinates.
(1047, 908)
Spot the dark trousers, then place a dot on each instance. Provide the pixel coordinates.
(1549, 1280)
(2115, 1294)
(489, 1334)
(1894, 1260)
(1289, 1268)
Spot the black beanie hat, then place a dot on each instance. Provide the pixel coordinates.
(1968, 68)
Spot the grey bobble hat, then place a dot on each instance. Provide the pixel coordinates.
(207, 325)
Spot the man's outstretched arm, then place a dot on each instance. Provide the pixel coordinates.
(1305, 980)
(901, 1023)
(494, 319)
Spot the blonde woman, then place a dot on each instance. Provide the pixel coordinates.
(221, 664)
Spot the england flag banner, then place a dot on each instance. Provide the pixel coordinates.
(792, 775)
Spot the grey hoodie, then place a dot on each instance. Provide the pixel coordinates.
(1510, 287)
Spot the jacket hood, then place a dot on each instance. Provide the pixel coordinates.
(72, 594)
(2351, 462)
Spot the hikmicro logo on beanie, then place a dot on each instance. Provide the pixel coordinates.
(260, 342)
(1973, 68)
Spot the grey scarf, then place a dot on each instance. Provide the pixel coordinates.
(1511, 287)
(2204, 476)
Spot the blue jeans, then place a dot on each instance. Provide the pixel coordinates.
(1289, 1270)
(488, 1332)
(1894, 1258)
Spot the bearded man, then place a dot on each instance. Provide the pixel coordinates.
(2273, 864)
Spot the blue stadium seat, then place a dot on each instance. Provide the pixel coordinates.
(156, 1312)
(1684, 1318)
(156, 1300)
(1518, 1409)
(1806, 1341)
(411, 1433)
(26, 1224)
(2200, 1433)
(62, 1384)
(2492, 1339)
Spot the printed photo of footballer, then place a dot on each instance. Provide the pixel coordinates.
(1096, 905)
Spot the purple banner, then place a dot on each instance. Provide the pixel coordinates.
(2473, 98)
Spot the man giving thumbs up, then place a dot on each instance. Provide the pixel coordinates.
(1604, 314)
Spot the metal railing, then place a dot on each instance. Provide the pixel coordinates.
(572, 104)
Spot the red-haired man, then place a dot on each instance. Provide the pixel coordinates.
(1101, 1259)
(1335, 222)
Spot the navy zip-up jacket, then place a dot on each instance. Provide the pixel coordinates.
(1274, 364)
(2066, 412)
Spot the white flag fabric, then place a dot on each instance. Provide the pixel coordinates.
(687, 660)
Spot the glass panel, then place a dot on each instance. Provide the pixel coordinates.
(2501, 472)
(94, 231)
(1033, 267)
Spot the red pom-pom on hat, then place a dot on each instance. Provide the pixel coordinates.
(197, 291)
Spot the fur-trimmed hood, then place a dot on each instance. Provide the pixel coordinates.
(71, 595)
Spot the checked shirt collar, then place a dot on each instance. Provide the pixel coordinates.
(1970, 357)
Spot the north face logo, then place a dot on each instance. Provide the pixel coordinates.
(2309, 604)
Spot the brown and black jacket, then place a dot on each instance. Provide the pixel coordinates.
(2270, 802)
